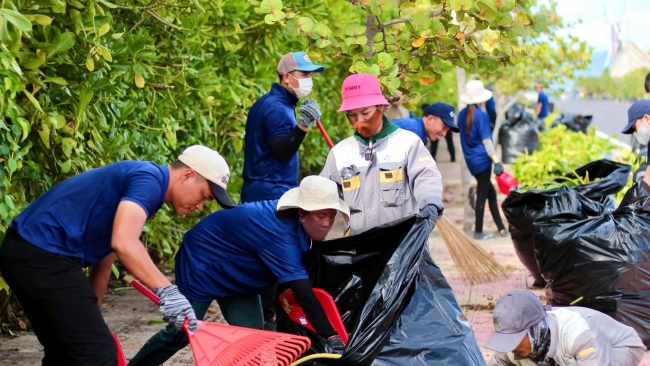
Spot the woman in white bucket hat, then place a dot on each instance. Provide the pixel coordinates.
(479, 152)
(232, 255)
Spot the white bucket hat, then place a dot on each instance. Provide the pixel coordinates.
(315, 193)
(475, 92)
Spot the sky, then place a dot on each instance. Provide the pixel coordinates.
(595, 27)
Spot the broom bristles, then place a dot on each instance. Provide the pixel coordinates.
(475, 264)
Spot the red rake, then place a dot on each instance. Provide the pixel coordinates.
(225, 345)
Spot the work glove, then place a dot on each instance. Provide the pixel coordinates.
(430, 213)
(175, 307)
(498, 169)
(335, 345)
(309, 113)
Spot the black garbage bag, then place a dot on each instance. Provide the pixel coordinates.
(603, 261)
(395, 303)
(518, 134)
(573, 122)
(521, 209)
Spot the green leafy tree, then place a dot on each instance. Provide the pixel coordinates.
(409, 45)
(630, 86)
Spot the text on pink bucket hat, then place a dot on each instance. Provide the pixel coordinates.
(361, 91)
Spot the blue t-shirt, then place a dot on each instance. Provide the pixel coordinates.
(240, 252)
(490, 108)
(544, 100)
(75, 217)
(265, 177)
(475, 154)
(415, 125)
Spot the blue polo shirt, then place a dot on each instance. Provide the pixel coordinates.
(266, 178)
(543, 98)
(241, 251)
(75, 217)
(475, 154)
(415, 125)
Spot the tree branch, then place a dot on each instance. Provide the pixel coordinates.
(162, 20)
(403, 20)
(394, 21)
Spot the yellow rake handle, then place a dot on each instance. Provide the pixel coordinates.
(317, 355)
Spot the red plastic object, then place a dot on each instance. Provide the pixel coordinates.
(121, 361)
(506, 182)
(297, 315)
(225, 345)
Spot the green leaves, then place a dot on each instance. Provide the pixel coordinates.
(355, 34)
(322, 35)
(458, 5)
(61, 43)
(85, 95)
(16, 19)
(297, 26)
(274, 10)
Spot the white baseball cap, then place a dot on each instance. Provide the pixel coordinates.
(211, 166)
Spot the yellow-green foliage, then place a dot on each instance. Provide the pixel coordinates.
(561, 151)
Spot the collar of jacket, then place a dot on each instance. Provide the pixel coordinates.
(388, 128)
(284, 93)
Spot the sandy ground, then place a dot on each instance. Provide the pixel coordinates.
(129, 314)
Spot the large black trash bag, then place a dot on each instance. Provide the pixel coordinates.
(573, 122)
(604, 260)
(521, 209)
(396, 305)
(518, 134)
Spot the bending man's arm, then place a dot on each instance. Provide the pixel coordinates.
(99, 276)
(127, 228)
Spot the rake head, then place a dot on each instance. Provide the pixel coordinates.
(224, 345)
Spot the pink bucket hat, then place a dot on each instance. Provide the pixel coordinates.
(361, 91)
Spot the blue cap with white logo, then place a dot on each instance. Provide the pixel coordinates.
(297, 61)
(445, 112)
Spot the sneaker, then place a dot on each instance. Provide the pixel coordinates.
(482, 236)
(504, 233)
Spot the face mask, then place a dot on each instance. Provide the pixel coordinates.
(304, 87)
(643, 134)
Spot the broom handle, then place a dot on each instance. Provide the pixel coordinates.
(324, 133)
(140, 287)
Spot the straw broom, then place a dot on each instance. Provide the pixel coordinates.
(475, 264)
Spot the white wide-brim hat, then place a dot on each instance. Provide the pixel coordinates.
(475, 93)
(314, 193)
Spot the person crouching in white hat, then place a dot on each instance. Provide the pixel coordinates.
(232, 255)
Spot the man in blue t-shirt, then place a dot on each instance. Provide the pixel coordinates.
(86, 221)
(436, 122)
(542, 103)
(233, 255)
(273, 136)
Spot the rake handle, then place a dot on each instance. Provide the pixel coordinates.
(140, 287)
(324, 133)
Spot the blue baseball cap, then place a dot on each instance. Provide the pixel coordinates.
(514, 313)
(297, 61)
(445, 112)
(639, 109)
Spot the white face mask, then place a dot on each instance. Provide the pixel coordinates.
(643, 134)
(305, 87)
